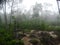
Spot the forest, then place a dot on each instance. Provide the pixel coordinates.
(36, 25)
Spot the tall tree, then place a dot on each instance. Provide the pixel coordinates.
(11, 11)
(5, 16)
(36, 9)
(58, 5)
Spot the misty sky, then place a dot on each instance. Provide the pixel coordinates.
(27, 4)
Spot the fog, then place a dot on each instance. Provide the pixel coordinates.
(28, 4)
(29, 22)
(30, 9)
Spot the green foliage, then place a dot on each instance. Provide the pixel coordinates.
(16, 42)
(6, 38)
(34, 41)
(57, 28)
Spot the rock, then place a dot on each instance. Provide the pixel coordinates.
(26, 40)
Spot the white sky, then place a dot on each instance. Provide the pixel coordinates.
(26, 4)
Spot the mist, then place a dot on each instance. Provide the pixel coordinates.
(29, 22)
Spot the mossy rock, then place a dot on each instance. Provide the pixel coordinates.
(34, 41)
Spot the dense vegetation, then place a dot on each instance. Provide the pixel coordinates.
(8, 36)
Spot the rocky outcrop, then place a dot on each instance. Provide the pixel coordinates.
(42, 38)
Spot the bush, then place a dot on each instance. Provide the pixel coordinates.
(16, 42)
(34, 41)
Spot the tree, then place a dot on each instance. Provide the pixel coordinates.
(36, 9)
(58, 5)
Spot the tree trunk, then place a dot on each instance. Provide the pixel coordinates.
(5, 16)
(58, 6)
